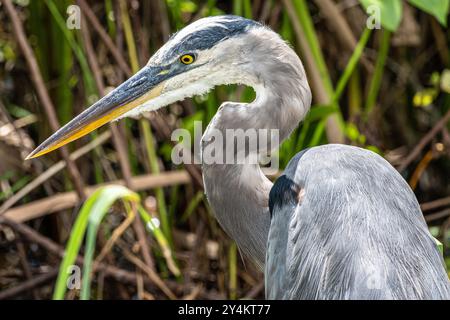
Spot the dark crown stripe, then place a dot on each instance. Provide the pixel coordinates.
(226, 27)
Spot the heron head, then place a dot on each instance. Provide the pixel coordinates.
(206, 53)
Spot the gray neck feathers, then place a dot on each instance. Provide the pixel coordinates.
(238, 193)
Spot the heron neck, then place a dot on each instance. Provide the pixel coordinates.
(239, 193)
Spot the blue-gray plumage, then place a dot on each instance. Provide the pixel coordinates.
(346, 225)
(340, 223)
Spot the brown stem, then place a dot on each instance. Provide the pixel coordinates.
(337, 21)
(66, 200)
(41, 90)
(192, 169)
(90, 15)
(333, 130)
(28, 285)
(49, 245)
(435, 204)
(25, 265)
(120, 146)
(424, 141)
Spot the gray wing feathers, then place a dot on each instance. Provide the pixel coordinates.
(357, 232)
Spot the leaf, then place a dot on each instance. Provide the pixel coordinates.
(188, 7)
(320, 112)
(434, 230)
(374, 149)
(92, 212)
(437, 8)
(425, 97)
(352, 132)
(188, 122)
(439, 245)
(390, 12)
(445, 81)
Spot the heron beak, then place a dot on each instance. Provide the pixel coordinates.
(145, 85)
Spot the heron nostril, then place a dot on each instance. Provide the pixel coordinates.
(138, 82)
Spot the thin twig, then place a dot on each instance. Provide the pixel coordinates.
(119, 142)
(424, 141)
(28, 285)
(114, 237)
(150, 273)
(104, 36)
(345, 35)
(25, 265)
(49, 245)
(42, 92)
(54, 169)
(435, 204)
(117, 137)
(420, 169)
(334, 132)
(68, 200)
(256, 290)
(437, 215)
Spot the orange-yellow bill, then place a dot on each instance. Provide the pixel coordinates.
(143, 86)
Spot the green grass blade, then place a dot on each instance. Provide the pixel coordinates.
(232, 265)
(354, 59)
(375, 82)
(88, 78)
(161, 239)
(193, 204)
(92, 212)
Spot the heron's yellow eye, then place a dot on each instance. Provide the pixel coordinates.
(187, 59)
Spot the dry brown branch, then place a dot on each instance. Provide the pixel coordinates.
(441, 43)
(420, 169)
(42, 92)
(190, 168)
(25, 265)
(119, 142)
(28, 285)
(104, 36)
(46, 243)
(255, 291)
(114, 237)
(334, 133)
(54, 169)
(150, 273)
(337, 21)
(194, 293)
(66, 200)
(424, 141)
(435, 204)
(437, 215)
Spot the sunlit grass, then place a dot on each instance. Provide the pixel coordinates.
(86, 225)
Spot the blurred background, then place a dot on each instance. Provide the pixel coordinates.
(380, 76)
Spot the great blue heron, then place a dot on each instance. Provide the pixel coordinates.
(340, 223)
